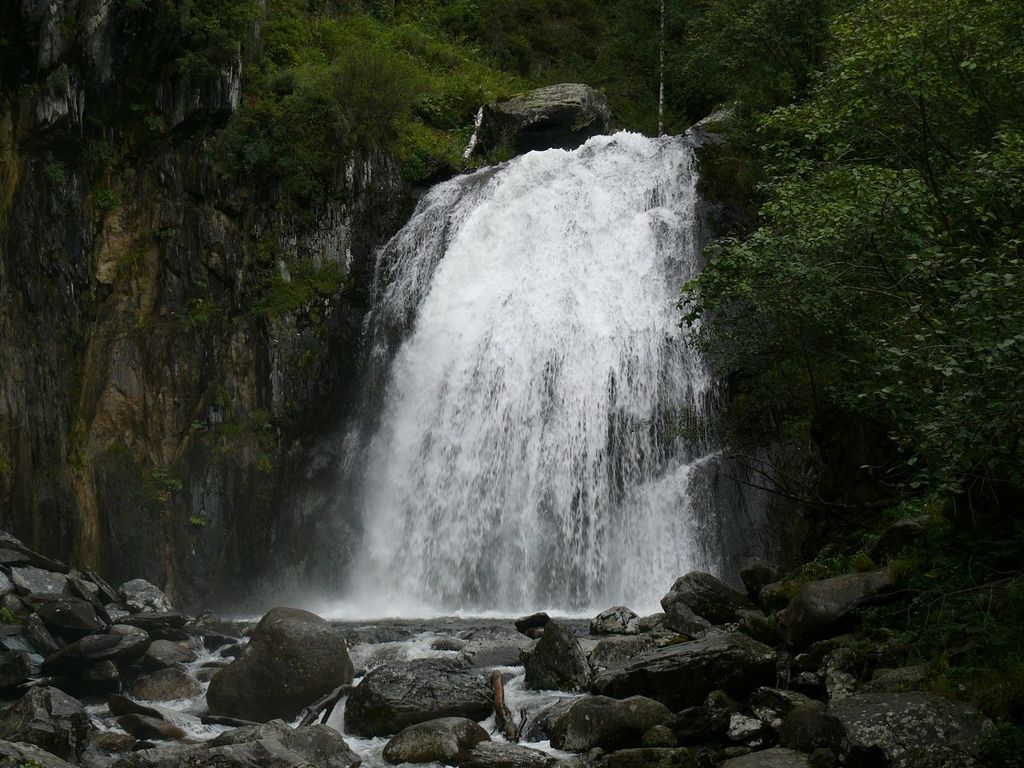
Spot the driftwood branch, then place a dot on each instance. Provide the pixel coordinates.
(502, 715)
(325, 705)
(232, 722)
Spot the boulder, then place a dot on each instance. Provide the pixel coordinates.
(14, 668)
(897, 680)
(292, 659)
(907, 730)
(541, 722)
(825, 608)
(70, 616)
(102, 677)
(615, 621)
(557, 662)
(772, 705)
(808, 727)
(748, 731)
(166, 653)
(149, 727)
(394, 697)
(757, 574)
(708, 597)
(499, 754)
(443, 740)
(659, 736)
(651, 623)
(680, 618)
(618, 649)
(649, 758)
(897, 537)
(533, 625)
(49, 719)
(139, 596)
(775, 596)
(93, 649)
(495, 647)
(39, 637)
(598, 721)
(560, 116)
(700, 725)
(683, 675)
(777, 757)
(758, 626)
(447, 644)
(168, 684)
(29, 756)
(36, 581)
(155, 622)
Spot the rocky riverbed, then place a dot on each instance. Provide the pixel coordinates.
(95, 675)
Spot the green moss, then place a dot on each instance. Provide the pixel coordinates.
(105, 199)
(305, 284)
(55, 173)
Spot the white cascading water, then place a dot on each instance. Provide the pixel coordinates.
(533, 449)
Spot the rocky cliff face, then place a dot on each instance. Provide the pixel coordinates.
(173, 344)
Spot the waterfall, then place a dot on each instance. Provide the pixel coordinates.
(541, 411)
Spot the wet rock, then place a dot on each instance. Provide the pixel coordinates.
(139, 596)
(35, 581)
(897, 680)
(907, 730)
(680, 618)
(495, 647)
(825, 608)
(103, 677)
(700, 725)
(6, 585)
(776, 757)
(14, 668)
(533, 625)
(758, 626)
(757, 574)
(14, 604)
(156, 622)
(749, 731)
(111, 742)
(49, 719)
(598, 721)
(540, 723)
(808, 727)
(772, 705)
(775, 596)
(499, 754)
(618, 649)
(659, 736)
(650, 623)
(292, 659)
(146, 727)
(557, 662)
(560, 116)
(28, 756)
(650, 758)
(708, 597)
(615, 621)
(683, 675)
(442, 741)
(166, 653)
(447, 644)
(394, 697)
(896, 538)
(70, 616)
(107, 593)
(93, 649)
(168, 684)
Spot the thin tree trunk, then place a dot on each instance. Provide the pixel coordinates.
(661, 85)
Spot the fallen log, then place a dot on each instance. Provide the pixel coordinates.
(502, 715)
(325, 705)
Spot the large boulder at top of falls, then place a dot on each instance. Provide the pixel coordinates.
(597, 721)
(825, 608)
(292, 659)
(396, 696)
(436, 741)
(557, 662)
(907, 730)
(683, 675)
(50, 719)
(560, 116)
(708, 597)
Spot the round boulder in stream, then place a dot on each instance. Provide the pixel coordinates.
(557, 663)
(293, 658)
(436, 741)
(394, 697)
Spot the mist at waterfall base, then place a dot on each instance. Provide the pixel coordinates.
(537, 408)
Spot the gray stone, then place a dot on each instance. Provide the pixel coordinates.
(140, 596)
(615, 621)
(772, 705)
(680, 618)
(758, 626)
(394, 697)
(495, 647)
(700, 725)
(70, 616)
(683, 675)
(650, 758)
(557, 662)
(618, 649)
(825, 608)
(49, 719)
(39, 637)
(560, 116)
(6, 585)
(708, 597)
(757, 574)
(776, 757)
(92, 649)
(651, 623)
(155, 622)
(908, 730)
(166, 653)
(897, 680)
(148, 727)
(659, 736)
(14, 668)
(29, 756)
(598, 721)
(35, 581)
(168, 684)
(808, 727)
(443, 740)
(499, 754)
(747, 730)
(533, 625)
(540, 723)
(292, 659)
